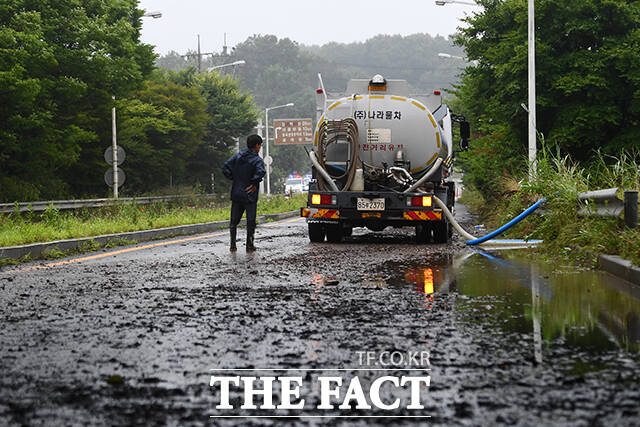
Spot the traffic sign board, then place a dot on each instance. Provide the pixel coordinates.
(268, 160)
(293, 131)
(108, 177)
(108, 155)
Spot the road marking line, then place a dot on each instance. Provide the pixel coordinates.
(118, 252)
(273, 224)
(133, 249)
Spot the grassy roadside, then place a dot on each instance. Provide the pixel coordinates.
(565, 234)
(19, 229)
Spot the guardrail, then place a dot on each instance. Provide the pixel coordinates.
(606, 203)
(600, 202)
(93, 203)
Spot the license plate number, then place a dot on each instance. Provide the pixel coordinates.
(370, 204)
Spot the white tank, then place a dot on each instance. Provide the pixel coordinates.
(388, 123)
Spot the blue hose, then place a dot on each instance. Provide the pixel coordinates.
(508, 225)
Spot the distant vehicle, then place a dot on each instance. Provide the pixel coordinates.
(295, 184)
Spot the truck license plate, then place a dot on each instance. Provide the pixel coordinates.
(370, 204)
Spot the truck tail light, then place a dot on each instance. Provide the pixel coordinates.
(420, 201)
(323, 199)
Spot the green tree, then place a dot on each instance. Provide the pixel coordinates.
(161, 127)
(231, 114)
(60, 63)
(587, 58)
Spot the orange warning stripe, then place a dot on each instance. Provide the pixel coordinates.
(423, 215)
(326, 213)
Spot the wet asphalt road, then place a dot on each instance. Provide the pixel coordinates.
(131, 338)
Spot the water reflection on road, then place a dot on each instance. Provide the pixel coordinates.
(568, 306)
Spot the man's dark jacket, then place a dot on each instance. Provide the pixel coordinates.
(244, 168)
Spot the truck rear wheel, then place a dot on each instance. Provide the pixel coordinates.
(334, 233)
(423, 233)
(441, 232)
(316, 233)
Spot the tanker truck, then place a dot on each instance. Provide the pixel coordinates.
(380, 157)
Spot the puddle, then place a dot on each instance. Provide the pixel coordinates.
(580, 310)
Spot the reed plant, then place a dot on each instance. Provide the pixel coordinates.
(560, 180)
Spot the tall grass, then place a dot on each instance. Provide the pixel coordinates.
(23, 228)
(561, 180)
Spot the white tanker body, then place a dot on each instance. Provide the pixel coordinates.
(380, 155)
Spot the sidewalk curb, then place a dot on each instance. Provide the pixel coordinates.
(620, 267)
(36, 250)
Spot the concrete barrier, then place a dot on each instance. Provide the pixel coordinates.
(620, 267)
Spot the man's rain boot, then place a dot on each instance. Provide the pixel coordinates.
(232, 234)
(251, 229)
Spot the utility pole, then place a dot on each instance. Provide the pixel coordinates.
(198, 55)
(224, 47)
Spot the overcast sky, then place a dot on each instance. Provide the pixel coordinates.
(307, 22)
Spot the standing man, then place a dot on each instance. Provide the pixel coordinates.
(246, 169)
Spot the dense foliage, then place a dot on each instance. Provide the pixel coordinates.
(60, 64)
(588, 81)
(181, 128)
(160, 127)
(230, 115)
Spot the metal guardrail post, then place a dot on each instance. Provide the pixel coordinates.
(631, 209)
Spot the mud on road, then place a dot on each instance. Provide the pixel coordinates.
(131, 338)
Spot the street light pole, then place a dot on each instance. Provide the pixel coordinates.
(114, 148)
(259, 128)
(266, 118)
(531, 70)
(533, 166)
(114, 139)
